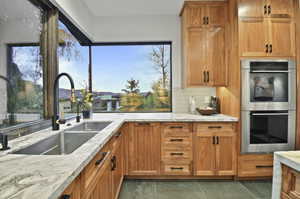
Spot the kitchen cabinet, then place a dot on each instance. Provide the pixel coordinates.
(274, 37)
(204, 49)
(176, 148)
(266, 8)
(290, 183)
(144, 149)
(73, 190)
(255, 165)
(117, 162)
(215, 149)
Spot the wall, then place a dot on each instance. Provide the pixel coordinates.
(152, 28)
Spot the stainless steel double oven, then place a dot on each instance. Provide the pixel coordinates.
(268, 105)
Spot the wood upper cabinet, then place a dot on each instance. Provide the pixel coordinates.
(195, 16)
(281, 37)
(253, 37)
(215, 149)
(196, 56)
(252, 8)
(216, 59)
(261, 37)
(266, 8)
(204, 48)
(144, 149)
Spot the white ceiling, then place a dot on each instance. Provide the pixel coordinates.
(134, 7)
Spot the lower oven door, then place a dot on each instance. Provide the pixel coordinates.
(268, 131)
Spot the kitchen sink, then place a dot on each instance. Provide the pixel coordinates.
(90, 126)
(60, 144)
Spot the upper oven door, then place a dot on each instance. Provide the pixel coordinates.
(268, 85)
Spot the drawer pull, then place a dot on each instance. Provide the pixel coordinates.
(176, 153)
(113, 163)
(263, 166)
(176, 168)
(215, 127)
(176, 140)
(65, 196)
(98, 162)
(144, 124)
(176, 127)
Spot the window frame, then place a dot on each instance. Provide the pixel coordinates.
(135, 43)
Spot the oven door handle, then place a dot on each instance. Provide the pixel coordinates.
(269, 114)
(269, 71)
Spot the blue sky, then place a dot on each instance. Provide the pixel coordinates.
(112, 67)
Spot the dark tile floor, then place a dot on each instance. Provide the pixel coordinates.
(141, 189)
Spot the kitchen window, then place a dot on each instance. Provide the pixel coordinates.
(21, 70)
(133, 77)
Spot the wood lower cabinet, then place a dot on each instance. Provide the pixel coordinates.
(144, 149)
(290, 183)
(255, 165)
(215, 149)
(73, 191)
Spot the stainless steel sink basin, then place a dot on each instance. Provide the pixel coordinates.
(60, 144)
(90, 126)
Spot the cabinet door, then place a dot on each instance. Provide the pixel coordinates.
(252, 8)
(281, 8)
(195, 15)
(282, 37)
(253, 34)
(226, 154)
(144, 149)
(217, 14)
(73, 190)
(103, 188)
(204, 154)
(217, 64)
(117, 167)
(196, 57)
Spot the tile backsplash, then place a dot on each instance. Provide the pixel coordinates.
(181, 97)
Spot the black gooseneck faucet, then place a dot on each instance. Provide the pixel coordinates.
(55, 119)
(3, 137)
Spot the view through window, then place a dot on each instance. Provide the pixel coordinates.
(131, 78)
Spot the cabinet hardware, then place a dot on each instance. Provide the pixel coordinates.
(263, 166)
(265, 8)
(214, 139)
(176, 154)
(207, 76)
(267, 48)
(118, 134)
(204, 20)
(144, 124)
(176, 127)
(215, 127)
(176, 168)
(207, 20)
(269, 9)
(271, 48)
(113, 163)
(65, 196)
(176, 140)
(204, 75)
(217, 139)
(98, 162)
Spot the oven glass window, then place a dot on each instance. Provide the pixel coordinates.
(269, 82)
(269, 127)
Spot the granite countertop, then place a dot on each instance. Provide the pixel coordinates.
(47, 176)
(288, 158)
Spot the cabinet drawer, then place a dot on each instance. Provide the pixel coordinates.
(255, 166)
(176, 142)
(177, 169)
(214, 127)
(176, 130)
(176, 155)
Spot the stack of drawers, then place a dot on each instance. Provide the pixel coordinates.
(176, 149)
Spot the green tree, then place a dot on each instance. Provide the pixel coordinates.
(132, 99)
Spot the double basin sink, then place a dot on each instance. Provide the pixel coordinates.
(65, 142)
